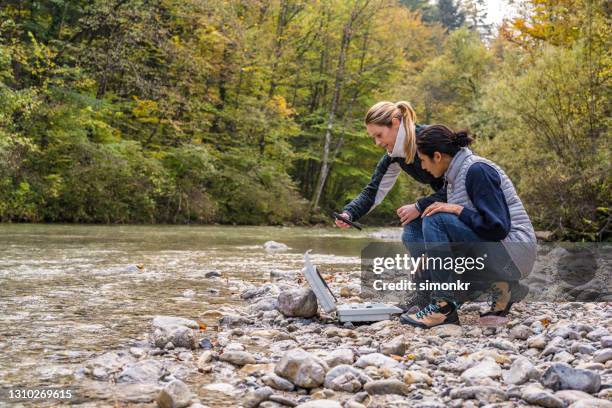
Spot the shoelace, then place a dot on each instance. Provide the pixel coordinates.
(431, 308)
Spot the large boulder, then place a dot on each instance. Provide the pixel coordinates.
(302, 368)
(300, 302)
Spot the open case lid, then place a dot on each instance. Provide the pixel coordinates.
(318, 285)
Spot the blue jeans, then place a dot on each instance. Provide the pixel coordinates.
(438, 235)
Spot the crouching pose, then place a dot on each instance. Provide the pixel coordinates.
(482, 206)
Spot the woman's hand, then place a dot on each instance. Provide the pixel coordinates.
(343, 224)
(407, 213)
(442, 207)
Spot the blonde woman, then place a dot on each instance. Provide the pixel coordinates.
(393, 127)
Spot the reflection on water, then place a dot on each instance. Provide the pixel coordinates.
(70, 292)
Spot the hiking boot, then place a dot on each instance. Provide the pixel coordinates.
(434, 314)
(503, 296)
(415, 302)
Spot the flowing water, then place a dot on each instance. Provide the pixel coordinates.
(68, 293)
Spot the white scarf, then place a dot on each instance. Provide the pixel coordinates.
(398, 148)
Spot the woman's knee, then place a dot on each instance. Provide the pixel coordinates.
(413, 232)
(439, 219)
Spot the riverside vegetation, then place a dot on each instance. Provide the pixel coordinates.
(250, 112)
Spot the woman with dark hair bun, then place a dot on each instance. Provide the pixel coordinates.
(482, 206)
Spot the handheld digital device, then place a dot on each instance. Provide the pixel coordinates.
(346, 220)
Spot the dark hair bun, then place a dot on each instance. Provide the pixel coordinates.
(462, 138)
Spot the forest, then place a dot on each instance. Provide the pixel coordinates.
(251, 111)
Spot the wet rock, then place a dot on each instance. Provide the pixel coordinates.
(176, 330)
(235, 321)
(277, 382)
(479, 392)
(144, 371)
(223, 388)
(520, 372)
(487, 368)
(163, 321)
(382, 387)
(302, 368)
(560, 376)
(322, 403)
(284, 401)
(275, 246)
(238, 358)
(267, 289)
(300, 302)
(175, 394)
(103, 366)
(602, 356)
(136, 393)
(543, 398)
(264, 305)
(377, 360)
(340, 356)
(212, 274)
(395, 346)
(256, 397)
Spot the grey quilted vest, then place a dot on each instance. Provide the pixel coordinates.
(520, 241)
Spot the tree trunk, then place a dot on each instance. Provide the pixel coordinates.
(346, 39)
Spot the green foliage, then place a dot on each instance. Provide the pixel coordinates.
(132, 111)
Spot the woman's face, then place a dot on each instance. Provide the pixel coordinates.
(384, 136)
(436, 165)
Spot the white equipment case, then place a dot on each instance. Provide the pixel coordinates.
(351, 312)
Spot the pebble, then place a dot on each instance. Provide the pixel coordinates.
(382, 387)
(561, 376)
(487, 368)
(300, 302)
(602, 356)
(543, 398)
(277, 382)
(521, 371)
(175, 394)
(302, 368)
(238, 358)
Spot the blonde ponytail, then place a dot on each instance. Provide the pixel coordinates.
(409, 117)
(382, 114)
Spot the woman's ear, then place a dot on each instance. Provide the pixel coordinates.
(437, 157)
(395, 122)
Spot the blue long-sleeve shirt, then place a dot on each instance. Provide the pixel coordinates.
(491, 219)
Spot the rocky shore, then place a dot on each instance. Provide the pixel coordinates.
(280, 350)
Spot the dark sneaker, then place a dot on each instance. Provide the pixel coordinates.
(415, 302)
(503, 296)
(434, 314)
